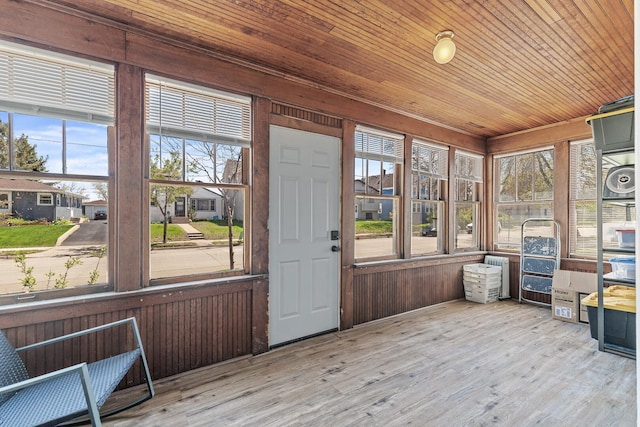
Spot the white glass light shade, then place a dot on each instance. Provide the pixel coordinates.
(445, 48)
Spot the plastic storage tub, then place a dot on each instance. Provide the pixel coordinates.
(626, 237)
(482, 282)
(613, 126)
(623, 267)
(619, 315)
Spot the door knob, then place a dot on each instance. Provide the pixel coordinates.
(335, 248)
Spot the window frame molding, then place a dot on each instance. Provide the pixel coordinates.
(477, 205)
(184, 135)
(49, 195)
(496, 203)
(440, 204)
(397, 197)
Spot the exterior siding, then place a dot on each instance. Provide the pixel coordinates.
(25, 205)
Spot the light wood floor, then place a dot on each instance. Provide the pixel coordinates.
(455, 364)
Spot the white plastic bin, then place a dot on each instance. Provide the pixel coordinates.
(482, 282)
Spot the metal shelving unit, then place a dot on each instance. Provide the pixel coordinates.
(613, 131)
(605, 249)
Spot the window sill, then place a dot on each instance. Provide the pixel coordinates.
(103, 297)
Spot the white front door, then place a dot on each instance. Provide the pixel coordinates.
(303, 211)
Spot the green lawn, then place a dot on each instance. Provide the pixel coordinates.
(374, 227)
(174, 233)
(218, 230)
(28, 236)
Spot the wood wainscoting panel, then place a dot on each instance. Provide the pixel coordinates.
(183, 328)
(382, 292)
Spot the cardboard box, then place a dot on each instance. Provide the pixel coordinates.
(567, 290)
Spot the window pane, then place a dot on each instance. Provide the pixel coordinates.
(429, 159)
(376, 227)
(425, 187)
(427, 227)
(387, 181)
(465, 190)
(466, 226)
(4, 140)
(373, 180)
(585, 172)
(87, 151)
(38, 143)
(178, 250)
(375, 177)
(582, 203)
(507, 171)
(360, 174)
(213, 162)
(584, 240)
(165, 158)
(524, 176)
(510, 219)
(526, 191)
(543, 184)
(42, 256)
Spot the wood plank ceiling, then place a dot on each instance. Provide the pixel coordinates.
(520, 64)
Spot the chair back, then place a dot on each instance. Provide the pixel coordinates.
(12, 369)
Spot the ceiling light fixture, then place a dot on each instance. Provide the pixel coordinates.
(445, 47)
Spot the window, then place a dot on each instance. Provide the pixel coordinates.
(54, 114)
(468, 181)
(524, 189)
(45, 199)
(429, 173)
(198, 138)
(378, 184)
(582, 200)
(203, 205)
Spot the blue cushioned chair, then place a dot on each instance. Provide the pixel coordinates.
(68, 393)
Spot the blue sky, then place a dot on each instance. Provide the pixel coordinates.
(86, 145)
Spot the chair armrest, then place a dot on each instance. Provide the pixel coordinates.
(131, 320)
(81, 369)
(43, 378)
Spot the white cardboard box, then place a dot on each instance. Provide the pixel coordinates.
(567, 289)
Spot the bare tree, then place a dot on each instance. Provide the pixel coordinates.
(220, 164)
(73, 187)
(102, 189)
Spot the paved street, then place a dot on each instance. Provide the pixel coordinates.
(202, 258)
(164, 263)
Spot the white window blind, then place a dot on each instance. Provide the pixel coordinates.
(430, 159)
(378, 145)
(37, 82)
(583, 171)
(469, 166)
(193, 112)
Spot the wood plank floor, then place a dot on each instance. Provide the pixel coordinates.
(454, 364)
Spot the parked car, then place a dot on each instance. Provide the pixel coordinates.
(470, 228)
(429, 231)
(100, 215)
